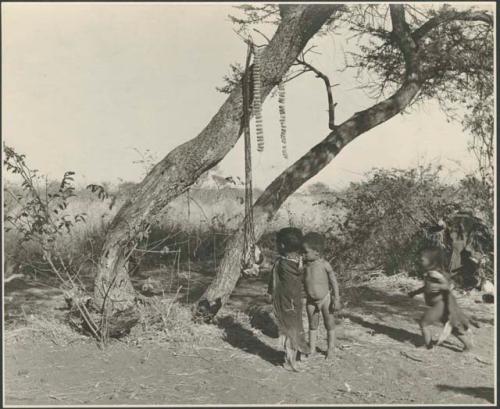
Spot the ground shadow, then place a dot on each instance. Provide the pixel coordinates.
(451, 347)
(398, 334)
(24, 297)
(382, 304)
(262, 318)
(487, 321)
(481, 392)
(244, 339)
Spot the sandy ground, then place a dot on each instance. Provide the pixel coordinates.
(378, 360)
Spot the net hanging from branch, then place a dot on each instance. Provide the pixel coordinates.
(252, 256)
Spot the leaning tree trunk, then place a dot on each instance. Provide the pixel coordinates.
(172, 176)
(295, 176)
(316, 159)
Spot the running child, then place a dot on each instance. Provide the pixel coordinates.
(443, 307)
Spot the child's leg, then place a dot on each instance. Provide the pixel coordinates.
(432, 315)
(460, 323)
(427, 334)
(313, 318)
(463, 337)
(329, 321)
(290, 355)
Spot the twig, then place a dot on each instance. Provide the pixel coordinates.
(411, 357)
(328, 86)
(262, 34)
(479, 359)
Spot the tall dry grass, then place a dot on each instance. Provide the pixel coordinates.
(205, 218)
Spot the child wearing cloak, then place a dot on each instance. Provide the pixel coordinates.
(286, 287)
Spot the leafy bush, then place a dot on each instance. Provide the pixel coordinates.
(383, 221)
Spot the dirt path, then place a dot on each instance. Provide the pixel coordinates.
(376, 361)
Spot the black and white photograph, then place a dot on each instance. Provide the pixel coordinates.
(216, 204)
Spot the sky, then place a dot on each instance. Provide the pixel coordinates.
(87, 85)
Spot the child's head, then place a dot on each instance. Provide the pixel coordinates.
(432, 258)
(289, 240)
(314, 246)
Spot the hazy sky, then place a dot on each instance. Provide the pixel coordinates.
(85, 84)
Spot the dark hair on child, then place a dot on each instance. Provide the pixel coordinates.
(316, 241)
(290, 239)
(436, 256)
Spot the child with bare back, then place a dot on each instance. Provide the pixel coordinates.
(443, 307)
(322, 291)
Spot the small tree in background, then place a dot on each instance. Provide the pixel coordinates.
(42, 220)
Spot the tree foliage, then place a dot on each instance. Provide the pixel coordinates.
(41, 214)
(384, 221)
(42, 219)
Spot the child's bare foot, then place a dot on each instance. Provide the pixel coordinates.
(293, 367)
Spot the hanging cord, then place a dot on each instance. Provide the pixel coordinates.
(188, 244)
(248, 226)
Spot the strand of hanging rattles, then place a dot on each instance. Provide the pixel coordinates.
(252, 256)
(257, 105)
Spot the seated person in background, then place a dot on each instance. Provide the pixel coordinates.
(438, 296)
(322, 291)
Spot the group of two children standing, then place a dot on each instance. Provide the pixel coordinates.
(301, 272)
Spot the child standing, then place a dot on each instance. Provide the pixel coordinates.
(438, 296)
(322, 291)
(286, 287)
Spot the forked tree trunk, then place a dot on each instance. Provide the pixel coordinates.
(295, 176)
(186, 163)
(315, 160)
(319, 156)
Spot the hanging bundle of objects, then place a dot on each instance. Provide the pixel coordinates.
(252, 256)
(281, 107)
(257, 99)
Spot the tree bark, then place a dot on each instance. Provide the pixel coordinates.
(172, 176)
(316, 159)
(295, 176)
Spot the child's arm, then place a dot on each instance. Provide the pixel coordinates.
(333, 284)
(442, 283)
(413, 293)
(269, 294)
(270, 283)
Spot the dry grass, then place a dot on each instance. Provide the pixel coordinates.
(212, 213)
(401, 282)
(47, 328)
(165, 320)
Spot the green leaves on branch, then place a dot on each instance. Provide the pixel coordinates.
(41, 214)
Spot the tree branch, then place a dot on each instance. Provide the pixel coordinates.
(451, 15)
(315, 160)
(328, 86)
(186, 163)
(402, 34)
